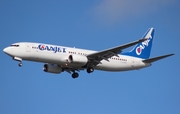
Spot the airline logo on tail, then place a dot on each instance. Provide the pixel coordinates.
(143, 45)
(143, 49)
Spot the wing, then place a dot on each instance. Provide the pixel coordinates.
(95, 58)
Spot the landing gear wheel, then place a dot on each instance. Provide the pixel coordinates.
(89, 70)
(20, 64)
(75, 75)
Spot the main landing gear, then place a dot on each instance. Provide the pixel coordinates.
(75, 75)
(90, 70)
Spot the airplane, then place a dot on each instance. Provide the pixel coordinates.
(57, 59)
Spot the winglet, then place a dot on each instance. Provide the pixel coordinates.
(156, 58)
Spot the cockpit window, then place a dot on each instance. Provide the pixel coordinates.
(14, 45)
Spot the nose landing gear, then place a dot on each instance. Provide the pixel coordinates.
(18, 59)
(20, 64)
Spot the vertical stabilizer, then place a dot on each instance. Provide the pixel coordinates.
(143, 49)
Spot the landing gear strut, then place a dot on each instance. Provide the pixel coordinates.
(89, 70)
(75, 75)
(18, 59)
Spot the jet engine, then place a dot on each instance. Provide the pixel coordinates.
(52, 68)
(78, 60)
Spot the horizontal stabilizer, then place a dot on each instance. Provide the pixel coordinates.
(156, 58)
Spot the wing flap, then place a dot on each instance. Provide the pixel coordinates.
(150, 60)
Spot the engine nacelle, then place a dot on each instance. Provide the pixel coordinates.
(52, 68)
(78, 60)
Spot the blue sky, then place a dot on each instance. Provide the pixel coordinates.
(96, 25)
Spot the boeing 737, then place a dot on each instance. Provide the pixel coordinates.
(58, 59)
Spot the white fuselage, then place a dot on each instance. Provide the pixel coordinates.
(54, 54)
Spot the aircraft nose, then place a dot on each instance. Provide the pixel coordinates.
(6, 50)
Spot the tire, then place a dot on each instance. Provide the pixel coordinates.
(90, 70)
(75, 75)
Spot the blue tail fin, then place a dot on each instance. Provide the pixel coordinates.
(143, 49)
